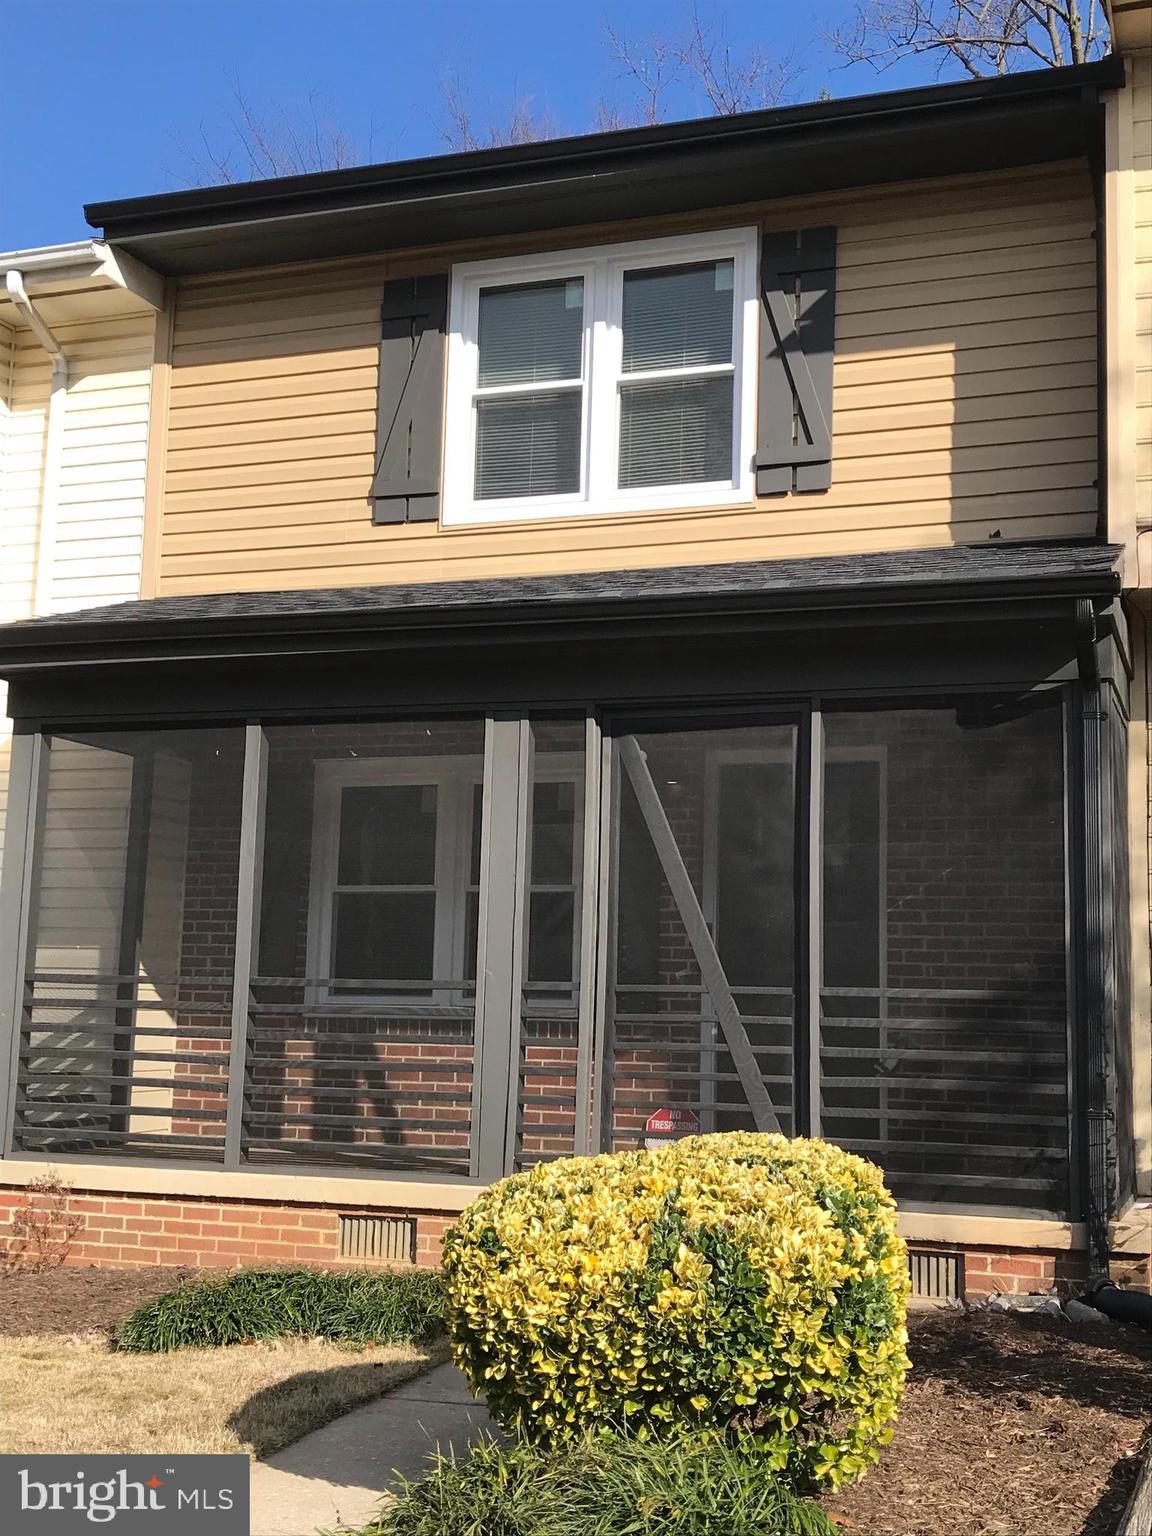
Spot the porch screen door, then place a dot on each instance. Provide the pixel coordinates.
(699, 993)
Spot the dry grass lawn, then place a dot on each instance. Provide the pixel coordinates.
(60, 1394)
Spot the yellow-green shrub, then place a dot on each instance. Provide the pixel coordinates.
(744, 1284)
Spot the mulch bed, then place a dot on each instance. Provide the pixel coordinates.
(76, 1300)
(1011, 1426)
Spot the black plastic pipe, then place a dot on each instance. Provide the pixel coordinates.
(1124, 1306)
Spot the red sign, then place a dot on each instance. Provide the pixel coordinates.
(673, 1122)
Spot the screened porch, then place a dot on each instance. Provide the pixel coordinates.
(454, 947)
(426, 885)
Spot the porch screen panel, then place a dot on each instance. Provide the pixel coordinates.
(944, 1008)
(362, 1033)
(721, 801)
(547, 1105)
(125, 1038)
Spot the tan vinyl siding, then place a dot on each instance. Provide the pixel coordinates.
(964, 405)
(1140, 76)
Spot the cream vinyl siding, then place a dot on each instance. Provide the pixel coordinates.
(1140, 66)
(95, 556)
(15, 560)
(965, 404)
(92, 555)
(80, 897)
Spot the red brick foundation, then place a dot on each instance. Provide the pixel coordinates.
(131, 1229)
(128, 1229)
(1014, 1271)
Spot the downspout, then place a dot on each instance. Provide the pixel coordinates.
(1095, 1099)
(53, 440)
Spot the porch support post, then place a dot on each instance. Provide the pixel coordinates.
(248, 892)
(604, 1000)
(500, 945)
(810, 969)
(589, 939)
(696, 927)
(131, 928)
(29, 765)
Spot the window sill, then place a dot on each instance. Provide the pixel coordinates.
(611, 511)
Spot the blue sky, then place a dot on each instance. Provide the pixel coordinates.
(110, 98)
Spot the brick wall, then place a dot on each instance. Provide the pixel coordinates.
(129, 1229)
(121, 1230)
(974, 938)
(1015, 1271)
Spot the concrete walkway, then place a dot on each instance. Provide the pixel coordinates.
(336, 1476)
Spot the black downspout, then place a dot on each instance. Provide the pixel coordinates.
(1092, 111)
(1095, 1099)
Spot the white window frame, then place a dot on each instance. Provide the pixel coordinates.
(453, 778)
(602, 269)
(456, 779)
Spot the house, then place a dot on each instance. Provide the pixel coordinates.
(635, 633)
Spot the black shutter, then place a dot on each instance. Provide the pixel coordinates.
(797, 338)
(410, 411)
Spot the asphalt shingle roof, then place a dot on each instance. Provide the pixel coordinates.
(902, 573)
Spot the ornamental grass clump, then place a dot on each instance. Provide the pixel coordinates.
(350, 1307)
(744, 1286)
(600, 1487)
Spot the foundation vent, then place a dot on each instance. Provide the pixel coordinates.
(378, 1239)
(937, 1276)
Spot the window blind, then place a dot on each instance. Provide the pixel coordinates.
(678, 433)
(528, 445)
(531, 333)
(528, 442)
(678, 317)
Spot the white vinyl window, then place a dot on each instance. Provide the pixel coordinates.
(394, 850)
(616, 379)
(394, 894)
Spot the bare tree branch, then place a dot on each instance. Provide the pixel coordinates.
(700, 60)
(255, 146)
(734, 83)
(983, 37)
(652, 68)
(522, 123)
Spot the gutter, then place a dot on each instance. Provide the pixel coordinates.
(53, 435)
(51, 257)
(580, 157)
(83, 264)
